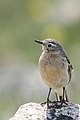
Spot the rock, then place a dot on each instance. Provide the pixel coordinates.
(35, 111)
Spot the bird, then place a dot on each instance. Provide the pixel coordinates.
(55, 68)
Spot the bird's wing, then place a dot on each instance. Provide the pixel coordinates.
(70, 68)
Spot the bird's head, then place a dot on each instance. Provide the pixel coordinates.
(50, 45)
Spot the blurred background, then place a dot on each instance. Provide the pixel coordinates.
(22, 22)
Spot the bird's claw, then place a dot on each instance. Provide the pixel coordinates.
(55, 104)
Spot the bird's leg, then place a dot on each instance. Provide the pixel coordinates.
(62, 100)
(63, 97)
(48, 95)
(47, 98)
(54, 102)
(67, 100)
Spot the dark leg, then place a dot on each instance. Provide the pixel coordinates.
(49, 94)
(67, 100)
(47, 98)
(63, 97)
(63, 94)
(54, 102)
(62, 100)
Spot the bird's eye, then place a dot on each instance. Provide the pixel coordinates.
(49, 45)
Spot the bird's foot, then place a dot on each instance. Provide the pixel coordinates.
(55, 104)
(46, 102)
(43, 103)
(60, 104)
(63, 102)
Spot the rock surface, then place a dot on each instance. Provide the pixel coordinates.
(35, 111)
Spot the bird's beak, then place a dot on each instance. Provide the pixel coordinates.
(39, 41)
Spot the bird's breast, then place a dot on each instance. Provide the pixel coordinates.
(53, 71)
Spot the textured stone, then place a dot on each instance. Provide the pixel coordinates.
(34, 111)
